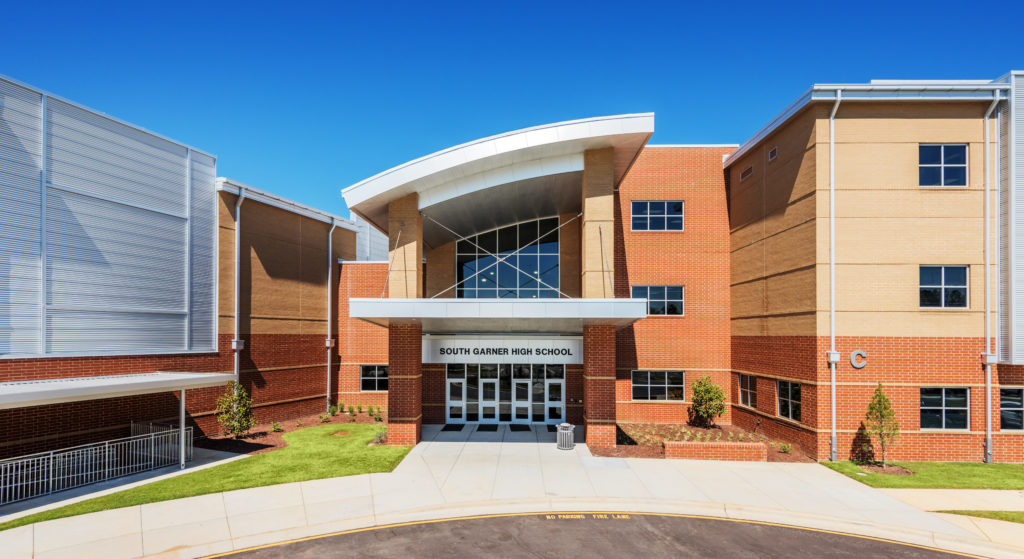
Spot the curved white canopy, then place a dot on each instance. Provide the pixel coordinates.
(522, 174)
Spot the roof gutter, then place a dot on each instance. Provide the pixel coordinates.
(330, 311)
(237, 344)
(988, 358)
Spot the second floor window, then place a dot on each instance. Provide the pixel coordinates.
(942, 164)
(661, 299)
(943, 287)
(657, 215)
(515, 262)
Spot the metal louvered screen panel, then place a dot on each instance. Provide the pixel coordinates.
(203, 238)
(20, 231)
(73, 331)
(96, 155)
(1016, 185)
(1004, 294)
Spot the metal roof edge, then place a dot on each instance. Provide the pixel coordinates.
(104, 115)
(692, 146)
(225, 184)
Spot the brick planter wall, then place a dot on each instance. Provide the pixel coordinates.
(740, 452)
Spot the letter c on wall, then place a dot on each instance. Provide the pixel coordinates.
(858, 359)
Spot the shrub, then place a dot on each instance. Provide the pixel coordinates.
(276, 427)
(325, 418)
(234, 410)
(708, 402)
(718, 436)
(351, 410)
(333, 410)
(881, 421)
(378, 417)
(379, 437)
(785, 448)
(360, 408)
(298, 423)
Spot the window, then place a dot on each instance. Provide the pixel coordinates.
(1011, 409)
(657, 215)
(746, 173)
(373, 378)
(773, 153)
(942, 164)
(658, 385)
(943, 287)
(661, 299)
(515, 262)
(748, 391)
(944, 408)
(789, 400)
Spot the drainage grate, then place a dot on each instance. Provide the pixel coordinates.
(518, 428)
(452, 427)
(487, 428)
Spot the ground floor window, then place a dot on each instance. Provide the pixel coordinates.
(748, 391)
(789, 400)
(1011, 409)
(373, 378)
(944, 408)
(658, 385)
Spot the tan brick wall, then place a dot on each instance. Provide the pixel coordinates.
(405, 228)
(597, 246)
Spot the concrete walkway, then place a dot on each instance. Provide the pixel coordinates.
(457, 474)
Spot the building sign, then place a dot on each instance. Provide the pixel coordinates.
(564, 350)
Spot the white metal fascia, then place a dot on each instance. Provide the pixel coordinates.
(22, 394)
(884, 91)
(233, 187)
(691, 146)
(103, 114)
(497, 308)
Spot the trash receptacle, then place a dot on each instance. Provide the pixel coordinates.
(565, 436)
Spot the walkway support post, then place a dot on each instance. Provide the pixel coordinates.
(181, 430)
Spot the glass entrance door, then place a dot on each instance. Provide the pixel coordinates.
(456, 403)
(488, 400)
(521, 401)
(554, 400)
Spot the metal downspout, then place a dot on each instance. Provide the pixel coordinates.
(236, 343)
(987, 358)
(833, 355)
(330, 306)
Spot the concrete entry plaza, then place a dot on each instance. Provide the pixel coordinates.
(469, 472)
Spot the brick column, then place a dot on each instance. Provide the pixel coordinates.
(599, 384)
(405, 244)
(405, 383)
(597, 245)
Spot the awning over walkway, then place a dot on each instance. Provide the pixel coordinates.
(470, 316)
(22, 394)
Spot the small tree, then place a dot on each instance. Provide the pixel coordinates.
(234, 410)
(881, 422)
(708, 401)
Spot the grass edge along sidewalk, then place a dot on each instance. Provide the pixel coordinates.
(312, 453)
(1004, 515)
(939, 475)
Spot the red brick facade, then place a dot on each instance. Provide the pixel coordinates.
(740, 452)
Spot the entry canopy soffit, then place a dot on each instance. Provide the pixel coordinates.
(483, 184)
(500, 316)
(21, 394)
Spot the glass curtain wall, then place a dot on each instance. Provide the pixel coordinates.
(485, 264)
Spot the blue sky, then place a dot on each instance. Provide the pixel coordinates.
(303, 99)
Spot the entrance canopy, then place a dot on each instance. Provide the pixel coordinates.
(520, 175)
(467, 316)
(22, 394)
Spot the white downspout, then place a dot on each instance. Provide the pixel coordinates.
(987, 358)
(833, 355)
(330, 305)
(236, 343)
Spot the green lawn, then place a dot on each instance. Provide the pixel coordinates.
(312, 453)
(940, 475)
(1007, 515)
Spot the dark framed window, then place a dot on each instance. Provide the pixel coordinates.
(748, 391)
(657, 215)
(943, 287)
(658, 385)
(1011, 409)
(661, 299)
(789, 400)
(942, 164)
(373, 378)
(514, 262)
(944, 408)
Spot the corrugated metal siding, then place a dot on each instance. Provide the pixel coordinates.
(20, 213)
(371, 244)
(1004, 294)
(126, 238)
(202, 316)
(1012, 321)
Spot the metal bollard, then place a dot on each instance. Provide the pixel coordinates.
(565, 436)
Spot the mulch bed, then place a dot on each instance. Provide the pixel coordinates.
(889, 470)
(651, 436)
(263, 439)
